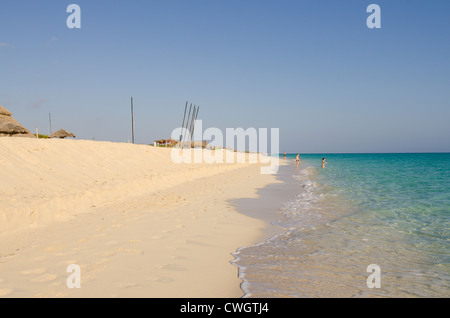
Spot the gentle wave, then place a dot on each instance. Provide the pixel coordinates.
(364, 210)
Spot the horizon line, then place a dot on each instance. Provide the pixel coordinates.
(362, 153)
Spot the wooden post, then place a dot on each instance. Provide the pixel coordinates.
(132, 121)
(50, 120)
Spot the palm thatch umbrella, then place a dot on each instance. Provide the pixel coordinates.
(4, 111)
(10, 127)
(62, 134)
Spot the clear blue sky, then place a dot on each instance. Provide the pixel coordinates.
(313, 69)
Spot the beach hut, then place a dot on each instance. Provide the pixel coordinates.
(10, 127)
(62, 134)
(199, 144)
(193, 144)
(165, 142)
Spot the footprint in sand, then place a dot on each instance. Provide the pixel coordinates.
(68, 262)
(45, 278)
(127, 286)
(197, 243)
(52, 249)
(134, 241)
(36, 271)
(109, 253)
(98, 235)
(55, 284)
(96, 268)
(5, 292)
(127, 250)
(176, 257)
(164, 280)
(102, 261)
(173, 267)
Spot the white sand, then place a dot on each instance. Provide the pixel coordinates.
(137, 224)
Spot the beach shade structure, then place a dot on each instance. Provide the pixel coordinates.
(199, 144)
(62, 134)
(193, 144)
(166, 142)
(10, 127)
(4, 111)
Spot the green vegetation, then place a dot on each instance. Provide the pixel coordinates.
(40, 136)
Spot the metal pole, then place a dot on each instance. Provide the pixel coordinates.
(190, 126)
(50, 122)
(187, 121)
(193, 124)
(198, 107)
(184, 116)
(132, 121)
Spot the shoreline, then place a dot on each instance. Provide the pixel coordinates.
(267, 208)
(172, 234)
(267, 205)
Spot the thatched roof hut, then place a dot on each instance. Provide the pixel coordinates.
(62, 134)
(4, 111)
(10, 127)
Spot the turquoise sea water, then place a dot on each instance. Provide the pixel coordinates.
(392, 210)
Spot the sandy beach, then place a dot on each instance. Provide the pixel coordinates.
(137, 224)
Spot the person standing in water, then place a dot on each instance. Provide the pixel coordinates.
(297, 159)
(285, 155)
(323, 162)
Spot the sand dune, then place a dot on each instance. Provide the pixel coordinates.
(137, 224)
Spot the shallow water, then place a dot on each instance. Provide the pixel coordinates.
(391, 210)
